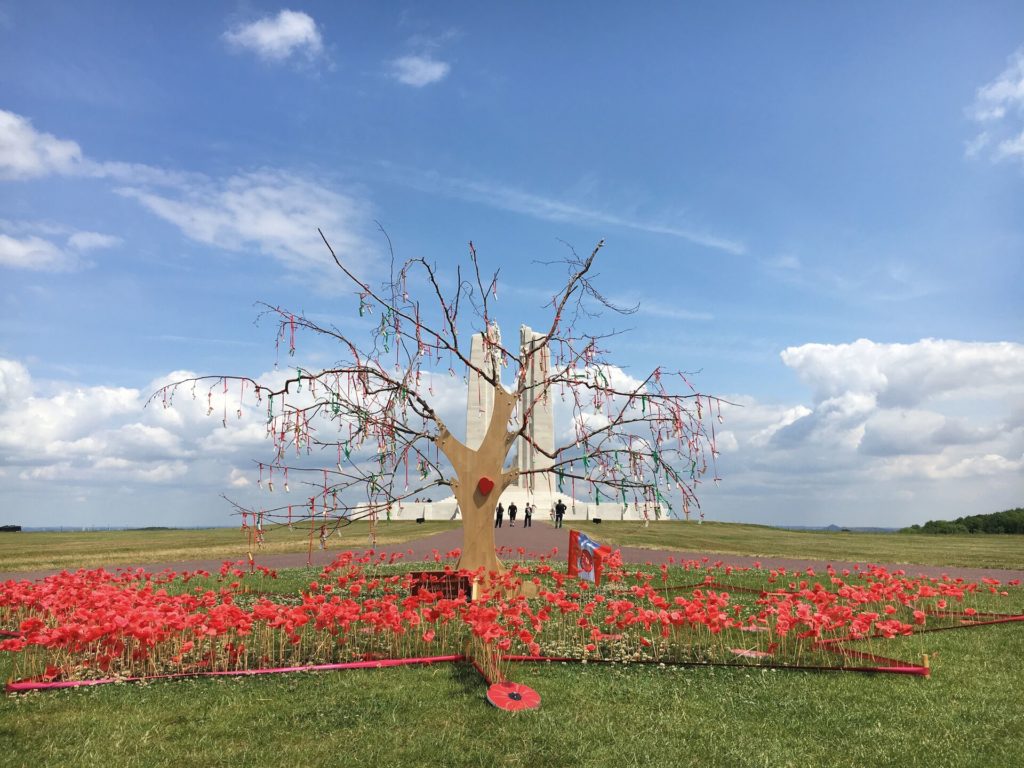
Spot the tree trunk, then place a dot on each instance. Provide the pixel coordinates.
(471, 466)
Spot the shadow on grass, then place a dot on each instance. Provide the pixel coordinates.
(468, 679)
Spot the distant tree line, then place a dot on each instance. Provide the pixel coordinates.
(1008, 521)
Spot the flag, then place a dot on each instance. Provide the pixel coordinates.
(586, 556)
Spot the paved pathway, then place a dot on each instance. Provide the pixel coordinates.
(541, 539)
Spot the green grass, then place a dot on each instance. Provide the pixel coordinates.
(967, 714)
(40, 550)
(32, 551)
(980, 551)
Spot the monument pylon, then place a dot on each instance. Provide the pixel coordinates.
(535, 406)
(537, 411)
(485, 356)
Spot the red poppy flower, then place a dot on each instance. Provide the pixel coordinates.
(513, 696)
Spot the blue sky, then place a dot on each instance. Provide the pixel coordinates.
(818, 206)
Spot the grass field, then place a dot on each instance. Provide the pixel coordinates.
(966, 714)
(36, 551)
(981, 551)
(40, 550)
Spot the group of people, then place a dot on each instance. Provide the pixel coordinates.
(513, 510)
(528, 510)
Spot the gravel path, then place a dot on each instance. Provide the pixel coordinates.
(541, 539)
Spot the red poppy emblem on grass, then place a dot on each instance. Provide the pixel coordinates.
(513, 696)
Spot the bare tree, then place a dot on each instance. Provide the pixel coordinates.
(371, 412)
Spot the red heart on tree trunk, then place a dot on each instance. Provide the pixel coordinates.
(485, 485)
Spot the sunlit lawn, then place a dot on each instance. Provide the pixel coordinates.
(967, 714)
(982, 551)
(50, 549)
(27, 551)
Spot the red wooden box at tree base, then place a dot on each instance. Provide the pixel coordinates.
(450, 585)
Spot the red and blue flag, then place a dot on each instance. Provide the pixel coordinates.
(586, 556)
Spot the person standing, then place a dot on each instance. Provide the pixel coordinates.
(528, 515)
(559, 513)
(512, 511)
(499, 514)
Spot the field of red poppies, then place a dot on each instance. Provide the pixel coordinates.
(727, 701)
(94, 625)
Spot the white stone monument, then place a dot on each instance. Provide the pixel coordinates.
(536, 405)
(485, 355)
(536, 408)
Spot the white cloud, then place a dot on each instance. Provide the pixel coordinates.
(867, 442)
(551, 209)
(902, 432)
(144, 441)
(907, 374)
(98, 436)
(999, 108)
(106, 469)
(274, 211)
(419, 71)
(616, 377)
(137, 173)
(106, 446)
(248, 435)
(658, 309)
(34, 253)
(90, 241)
(279, 37)
(33, 227)
(239, 478)
(1011, 148)
(26, 153)
(784, 262)
(726, 442)
(978, 143)
(160, 473)
(759, 423)
(896, 407)
(1005, 93)
(39, 254)
(30, 425)
(897, 400)
(893, 434)
(15, 383)
(976, 467)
